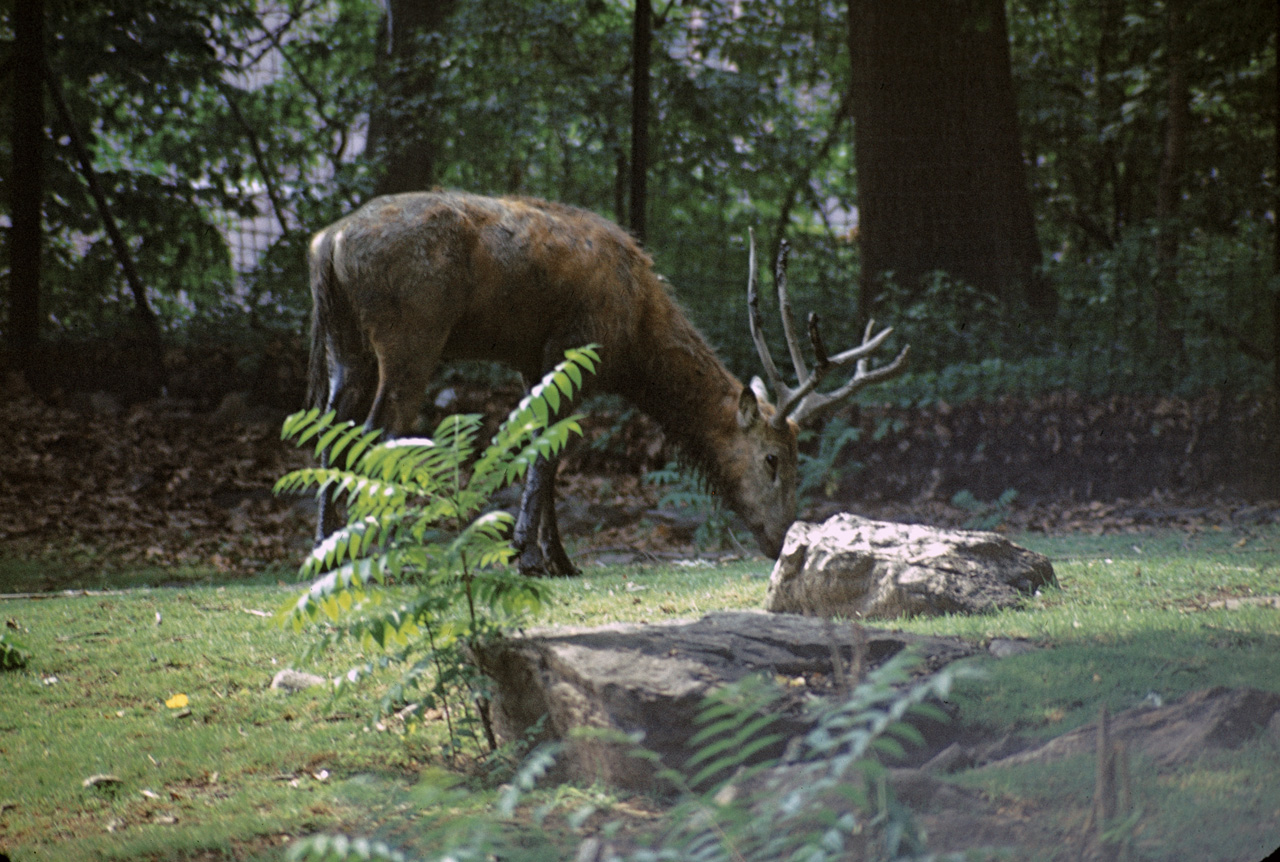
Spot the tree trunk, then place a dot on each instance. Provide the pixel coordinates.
(1110, 97)
(641, 45)
(401, 132)
(1275, 262)
(1169, 180)
(26, 184)
(940, 178)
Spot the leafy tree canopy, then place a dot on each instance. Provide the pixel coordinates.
(225, 131)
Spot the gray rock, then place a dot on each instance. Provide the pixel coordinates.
(1220, 717)
(858, 568)
(291, 680)
(651, 680)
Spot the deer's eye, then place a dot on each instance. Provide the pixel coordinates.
(771, 461)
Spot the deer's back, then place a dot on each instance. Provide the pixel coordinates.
(505, 278)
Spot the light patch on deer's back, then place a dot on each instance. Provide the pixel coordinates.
(560, 276)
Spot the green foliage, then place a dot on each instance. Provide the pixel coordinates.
(209, 117)
(819, 472)
(1105, 337)
(204, 119)
(687, 492)
(322, 848)
(986, 516)
(13, 653)
(734, 727)
(830, 796)
(1093, 92)
(416, 518)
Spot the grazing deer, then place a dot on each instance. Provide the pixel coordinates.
(410, 279)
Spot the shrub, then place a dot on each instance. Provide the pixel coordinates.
(417, 521)
(827, 799)
(13, 654)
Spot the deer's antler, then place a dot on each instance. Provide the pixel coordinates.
(804, 402)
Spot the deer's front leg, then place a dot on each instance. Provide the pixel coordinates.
(537, 536)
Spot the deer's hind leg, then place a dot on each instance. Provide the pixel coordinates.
(386, 386)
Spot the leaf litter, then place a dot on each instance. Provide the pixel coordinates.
(160, 484)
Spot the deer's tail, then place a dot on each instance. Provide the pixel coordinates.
(320, 260)
(333, 323)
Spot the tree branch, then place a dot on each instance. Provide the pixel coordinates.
(843, 112)
(259, 158)
(136, 287)
(146, 315)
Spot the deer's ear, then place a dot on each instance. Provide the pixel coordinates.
(749, 404)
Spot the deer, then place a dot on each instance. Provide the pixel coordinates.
(410, 280)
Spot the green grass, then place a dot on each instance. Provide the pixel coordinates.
(1131, 616)
(249, 768)
(238, 770)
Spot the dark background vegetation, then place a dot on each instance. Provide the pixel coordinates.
(1060, 205)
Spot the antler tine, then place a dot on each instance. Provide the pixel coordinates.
(868, 346)
(788, 318)
(804, 401)
(813, 403)
(781, 391)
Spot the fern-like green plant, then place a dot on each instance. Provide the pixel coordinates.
(417, 517)
(734, 727)
(986, 516)
(826, 799)
(826, 795)
(818, 472)
(686, 491)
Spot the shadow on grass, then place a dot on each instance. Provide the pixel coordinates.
(49, 574)
(1051, 691)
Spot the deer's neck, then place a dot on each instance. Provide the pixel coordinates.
(682, 385)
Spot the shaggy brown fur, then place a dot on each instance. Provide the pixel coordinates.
(408, 280)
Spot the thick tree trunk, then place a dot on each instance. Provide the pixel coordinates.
(941, 182)
(401, 132)
(641, 45)
(26, 185)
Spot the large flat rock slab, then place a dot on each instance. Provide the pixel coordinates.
(858, 568)
(651, 679)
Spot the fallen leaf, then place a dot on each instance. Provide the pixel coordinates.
(178, 701)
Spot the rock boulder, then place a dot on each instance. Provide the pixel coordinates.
(651, 679)
(858, 568)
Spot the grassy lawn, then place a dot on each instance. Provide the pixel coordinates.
(241, 770)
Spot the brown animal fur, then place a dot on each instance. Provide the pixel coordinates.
(410, 279)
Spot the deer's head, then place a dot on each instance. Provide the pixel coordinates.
(762, 482)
